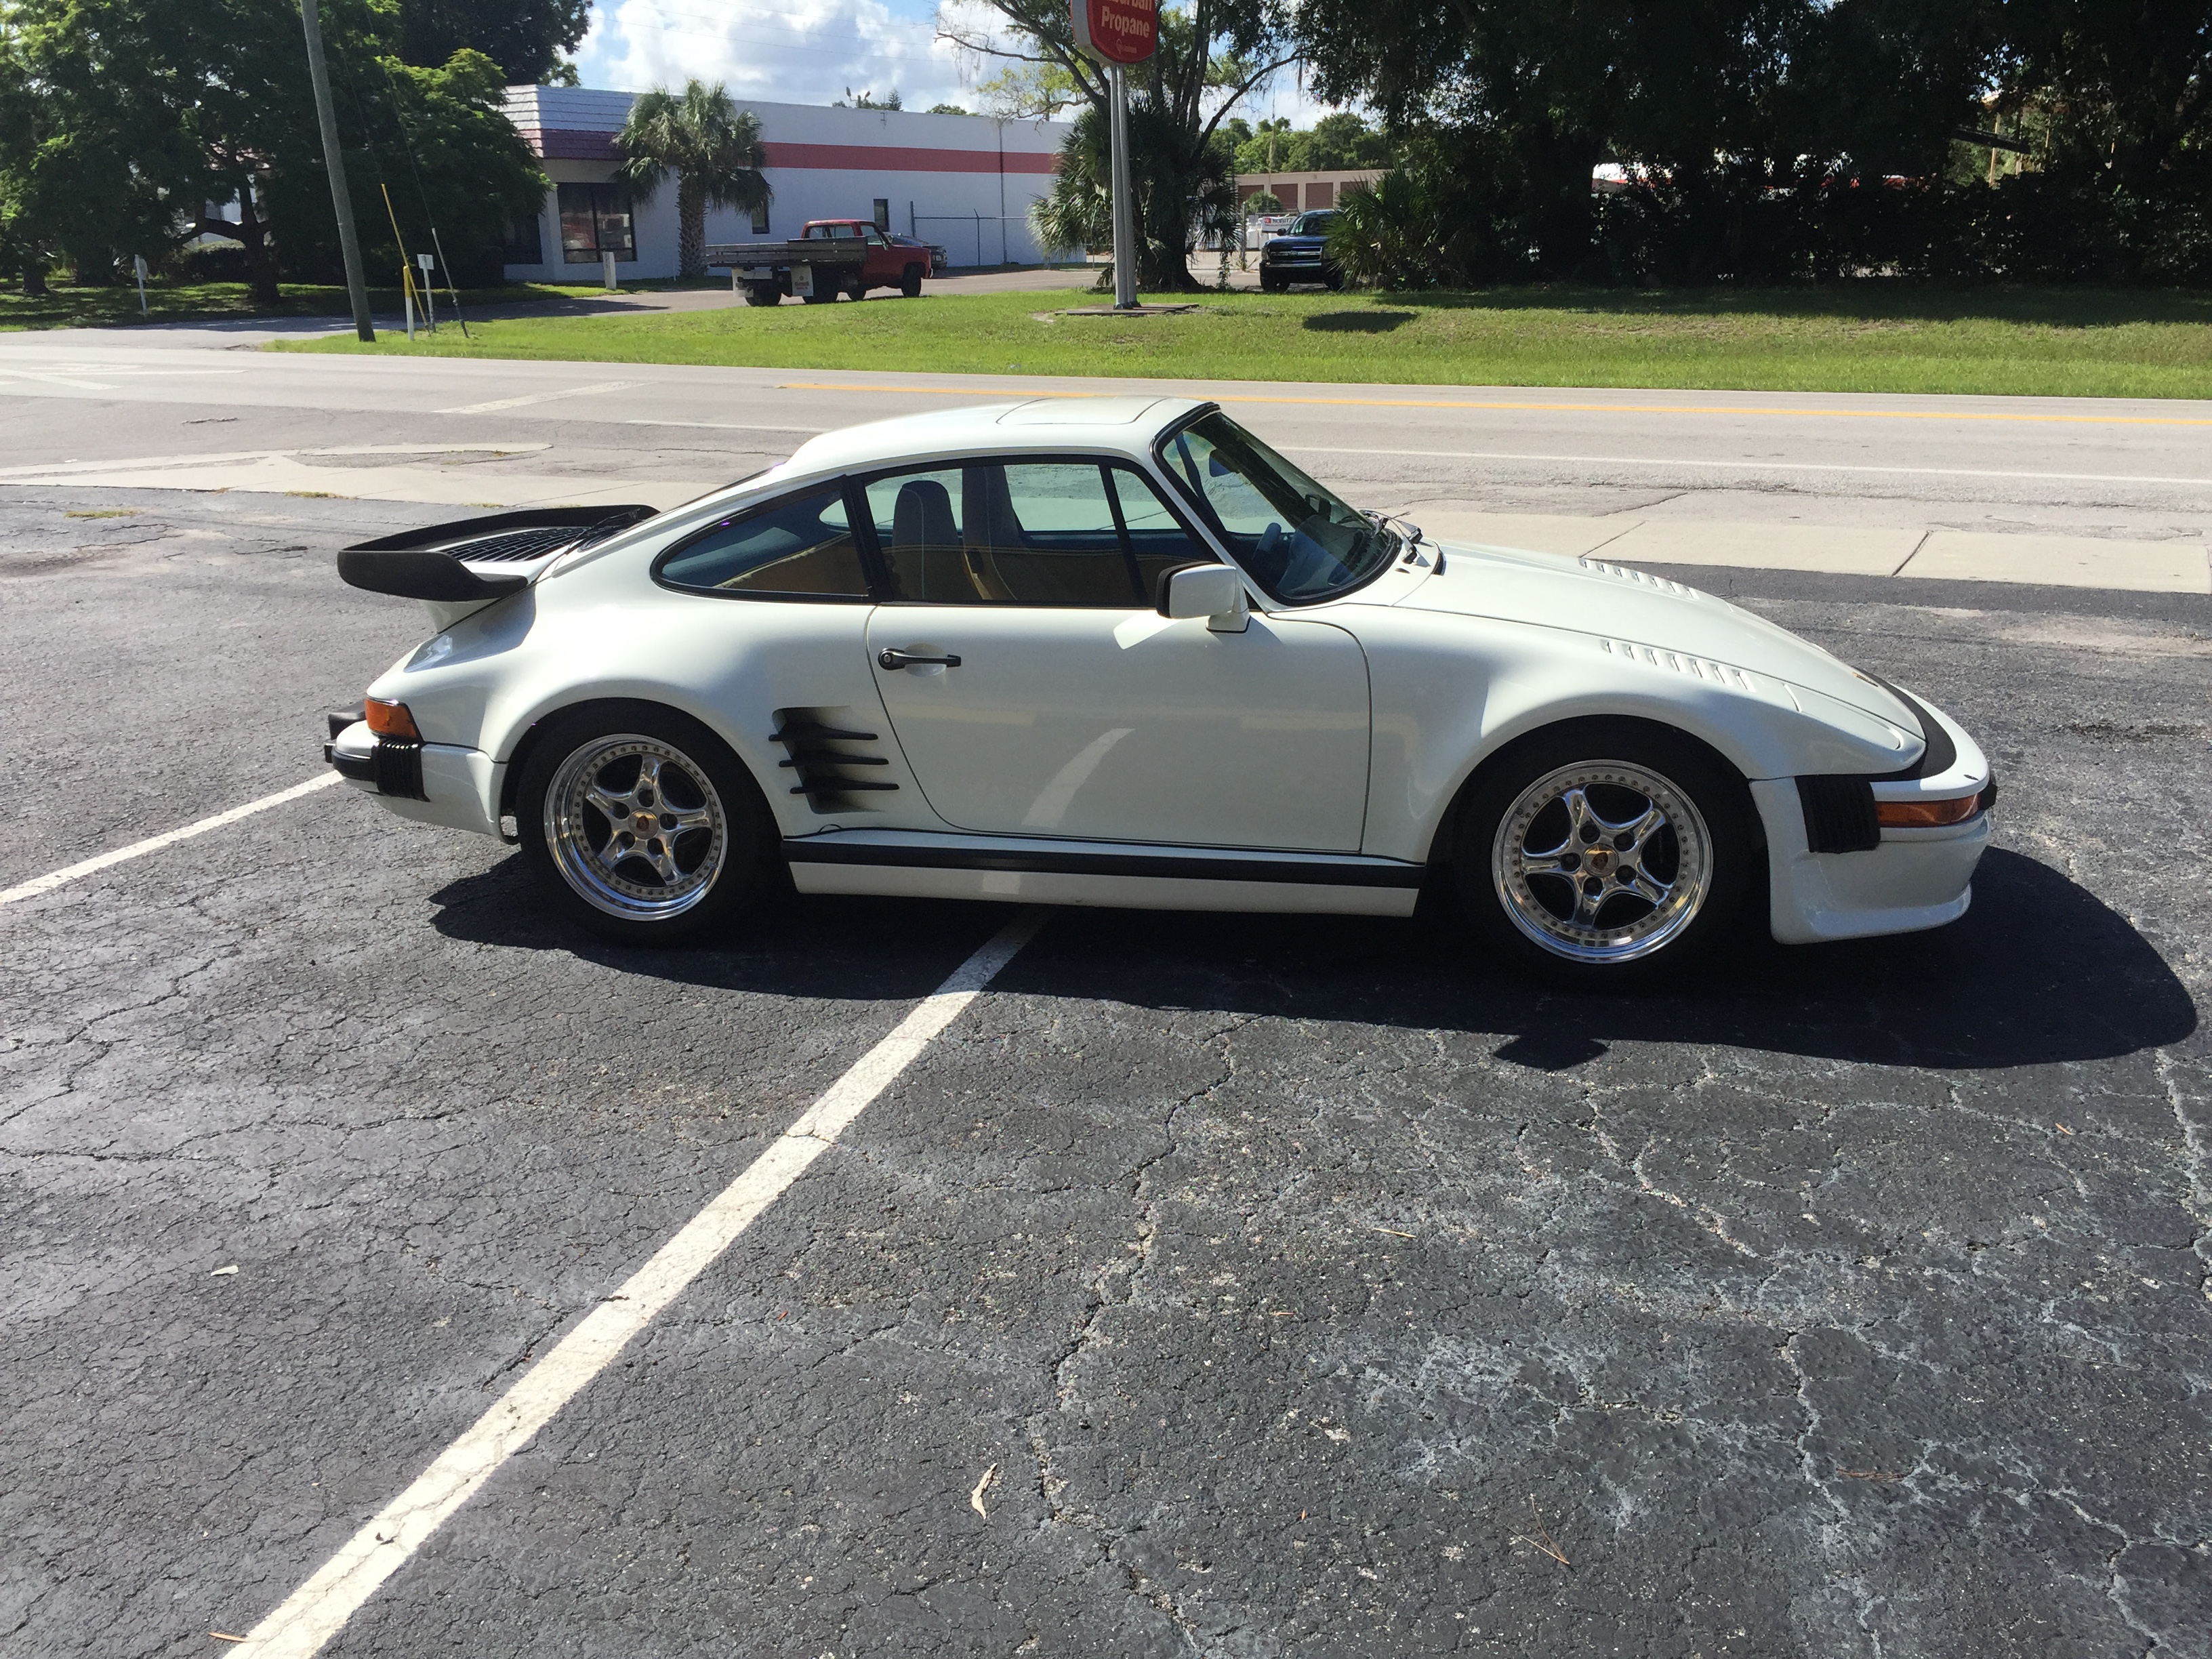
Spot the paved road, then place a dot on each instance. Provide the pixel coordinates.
(1216, 1286)
(2107, 494)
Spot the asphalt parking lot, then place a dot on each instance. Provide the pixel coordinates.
(1214, 1285)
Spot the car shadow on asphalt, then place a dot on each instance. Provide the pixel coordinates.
(2039, 971)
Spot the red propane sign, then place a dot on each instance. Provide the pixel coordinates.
(1117, 31)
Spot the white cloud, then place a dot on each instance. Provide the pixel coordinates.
(771, 52)
(783, 54)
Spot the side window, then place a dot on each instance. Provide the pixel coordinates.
(1157, 540)
(801, 547)
(1006, 532)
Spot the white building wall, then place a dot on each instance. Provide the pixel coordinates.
(964, 182)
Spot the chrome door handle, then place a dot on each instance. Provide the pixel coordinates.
(889, 658)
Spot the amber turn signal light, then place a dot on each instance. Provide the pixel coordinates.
(388, 718)
(1925, 814)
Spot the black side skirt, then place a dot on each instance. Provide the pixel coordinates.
(1026, 861)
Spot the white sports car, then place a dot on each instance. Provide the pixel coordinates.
(1116, 651)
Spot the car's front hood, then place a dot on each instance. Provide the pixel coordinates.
(1609, 601)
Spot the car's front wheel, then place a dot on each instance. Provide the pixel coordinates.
(1605, 851)
(910, 282)
(642, 824)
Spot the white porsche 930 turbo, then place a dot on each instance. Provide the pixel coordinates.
(1117, 651)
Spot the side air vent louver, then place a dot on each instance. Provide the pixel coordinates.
(832, 757)
(1642, 578)
(1839, 814)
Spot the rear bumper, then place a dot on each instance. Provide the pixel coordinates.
(436, 783)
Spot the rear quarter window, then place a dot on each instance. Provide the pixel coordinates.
(801, 547)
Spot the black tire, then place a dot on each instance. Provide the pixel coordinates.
(1271, 283)
(631, 900)
(818, 298)
(762, 294)
(1706, 861)
(858, 291)
(910, 282)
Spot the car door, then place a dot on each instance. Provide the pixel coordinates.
(765, 617)
(1035, 690)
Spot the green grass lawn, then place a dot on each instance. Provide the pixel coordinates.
(67, 306)
(1875, 337)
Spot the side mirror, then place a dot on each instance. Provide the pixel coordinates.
(1215, 591)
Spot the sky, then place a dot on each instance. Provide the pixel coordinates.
(787, 54)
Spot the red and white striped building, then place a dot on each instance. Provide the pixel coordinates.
(964, 182)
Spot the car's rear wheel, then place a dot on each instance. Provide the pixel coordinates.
(910, 282)
(643, 824)
(820, 297)
(1605, 852)
(762, 294)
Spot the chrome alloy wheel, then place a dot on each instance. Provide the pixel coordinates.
(1602, 861)
(635, 828)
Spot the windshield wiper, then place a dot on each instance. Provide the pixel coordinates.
(1410, 536)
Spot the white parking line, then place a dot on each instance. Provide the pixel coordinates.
(498, 404)
(315, 1612)
(47, 882)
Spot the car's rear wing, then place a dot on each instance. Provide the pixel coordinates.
(474, 560)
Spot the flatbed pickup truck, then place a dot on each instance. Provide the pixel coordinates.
(830, 257)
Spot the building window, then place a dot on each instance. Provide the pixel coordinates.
(595, 221)
(759, 220)
(525, 243)
(882, 214)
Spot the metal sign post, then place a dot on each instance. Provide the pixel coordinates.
(1125, 249)
(1117, 34)
(138, 266)
(429, 303)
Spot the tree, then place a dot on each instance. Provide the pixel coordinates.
(528, 39)
(949, 109)
(1211, 54)
(714, 149)
(1029, 92)
(1262, 203)
(148, 110)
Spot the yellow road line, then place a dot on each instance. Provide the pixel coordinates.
(1576, 409)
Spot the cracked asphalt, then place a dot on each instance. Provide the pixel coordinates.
(1216, 1286)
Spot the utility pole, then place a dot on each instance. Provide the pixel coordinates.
(334, 164)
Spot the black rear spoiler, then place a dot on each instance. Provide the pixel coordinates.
(427, 563)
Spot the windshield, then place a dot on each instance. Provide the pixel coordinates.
(1314, 224)
(1294, 537)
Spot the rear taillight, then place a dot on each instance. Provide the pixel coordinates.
(388, 718)
(1925, 814)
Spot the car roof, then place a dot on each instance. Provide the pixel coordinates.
(1126, 424)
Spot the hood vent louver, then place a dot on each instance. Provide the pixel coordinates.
(1678, 662)
(833, 756)
(1623, 573)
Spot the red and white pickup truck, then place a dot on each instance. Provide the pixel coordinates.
(830, 257)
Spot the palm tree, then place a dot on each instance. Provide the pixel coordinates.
(712, 146)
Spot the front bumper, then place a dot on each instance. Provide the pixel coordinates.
(436, 783)
(1908, 880)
